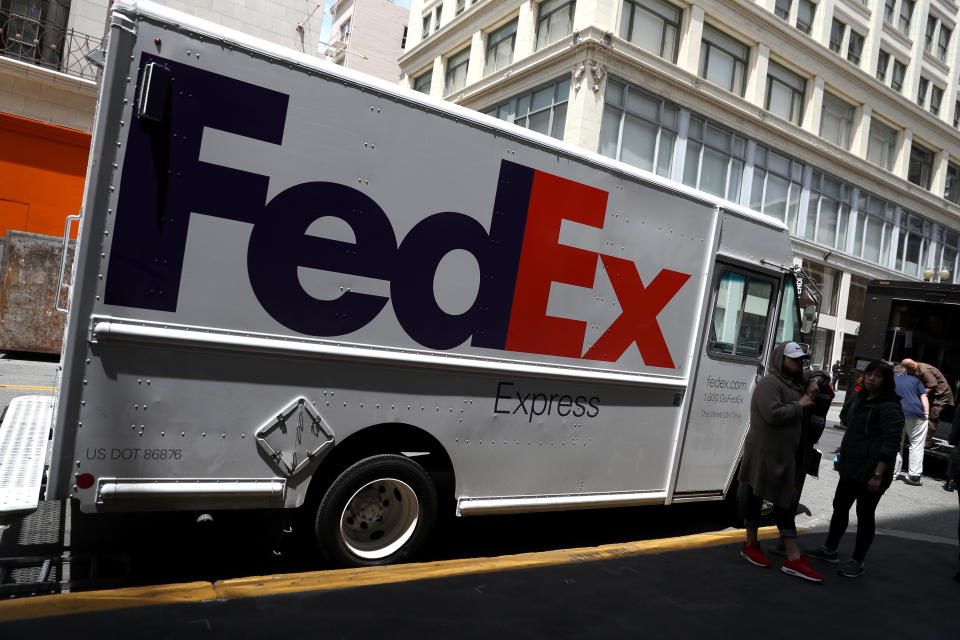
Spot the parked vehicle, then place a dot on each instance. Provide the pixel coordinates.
(910, 319)
(296, 286)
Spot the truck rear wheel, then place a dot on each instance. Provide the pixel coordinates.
(378, 511)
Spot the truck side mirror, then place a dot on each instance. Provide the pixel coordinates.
(809, 316)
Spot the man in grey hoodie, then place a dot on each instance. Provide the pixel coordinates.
(780, 403)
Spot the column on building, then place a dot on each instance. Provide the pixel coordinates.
(843, 325)
(585, 108)
(822, 22)
(938, 181)
(901, 167)
(599, 13)
(953, 77)
(757, 75)
(871, 43)
(436, 80)
(918, 25)
(861, 130)
(475, 67)
(526, 30)
(813, 105)
(415, 32)
(691, 37)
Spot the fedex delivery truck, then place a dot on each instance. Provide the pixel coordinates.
(299, 287)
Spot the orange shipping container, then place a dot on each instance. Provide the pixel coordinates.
(42, 171)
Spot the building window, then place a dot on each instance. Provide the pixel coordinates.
(883, 61)
(956, 114)
(952, 190)
(936, 97)
(423, 82)
(461, 7)
(922, 91)
(776, 187)
(784, 93)
(782, 9)
(873, 229)
(855, 48)
(345, 32)
(836, 35)
(906, 13)
(715, 159)
(828, 211)
(500, 45)
(651, 25)
(882, 146)
(915, 236)
(836, 120)
(947, 241)
(928, 36)
(554, 21)
(888, 10)
(456, 76)
(899, 71)
(436, 18)
(723, 61)
(544, 109)
(427, 21)
(943, 42)
(805, 12)
(921, 166)
(638, 128)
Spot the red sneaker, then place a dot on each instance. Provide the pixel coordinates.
(751, 553)
(802, 569)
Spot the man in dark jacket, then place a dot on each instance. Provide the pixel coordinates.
(780, 403)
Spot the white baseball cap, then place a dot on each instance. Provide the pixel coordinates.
(794, 350)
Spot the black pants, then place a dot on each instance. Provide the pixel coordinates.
(752, 505)
(848, 492)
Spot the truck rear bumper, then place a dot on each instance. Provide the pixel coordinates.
(24, 435)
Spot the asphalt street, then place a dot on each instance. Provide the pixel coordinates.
(705, 592)
(20, 376)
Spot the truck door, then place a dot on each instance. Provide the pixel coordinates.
(730, 364)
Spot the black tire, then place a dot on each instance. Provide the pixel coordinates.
(379, 511)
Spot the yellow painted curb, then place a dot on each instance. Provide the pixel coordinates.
(25, 387)
(346, 578)
(87, 601)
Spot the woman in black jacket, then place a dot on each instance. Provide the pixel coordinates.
(874, 421)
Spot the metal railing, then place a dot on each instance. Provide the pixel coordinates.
(34, 40)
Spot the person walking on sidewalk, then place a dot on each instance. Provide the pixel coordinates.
(938, 391)
(835, 374)
(916, 409)
(769, 469)
(874, 421)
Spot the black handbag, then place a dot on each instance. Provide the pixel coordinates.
(813, 465)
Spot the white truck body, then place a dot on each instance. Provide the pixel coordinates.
(279, 259)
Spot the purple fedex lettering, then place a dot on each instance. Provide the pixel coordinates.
(164, 181)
